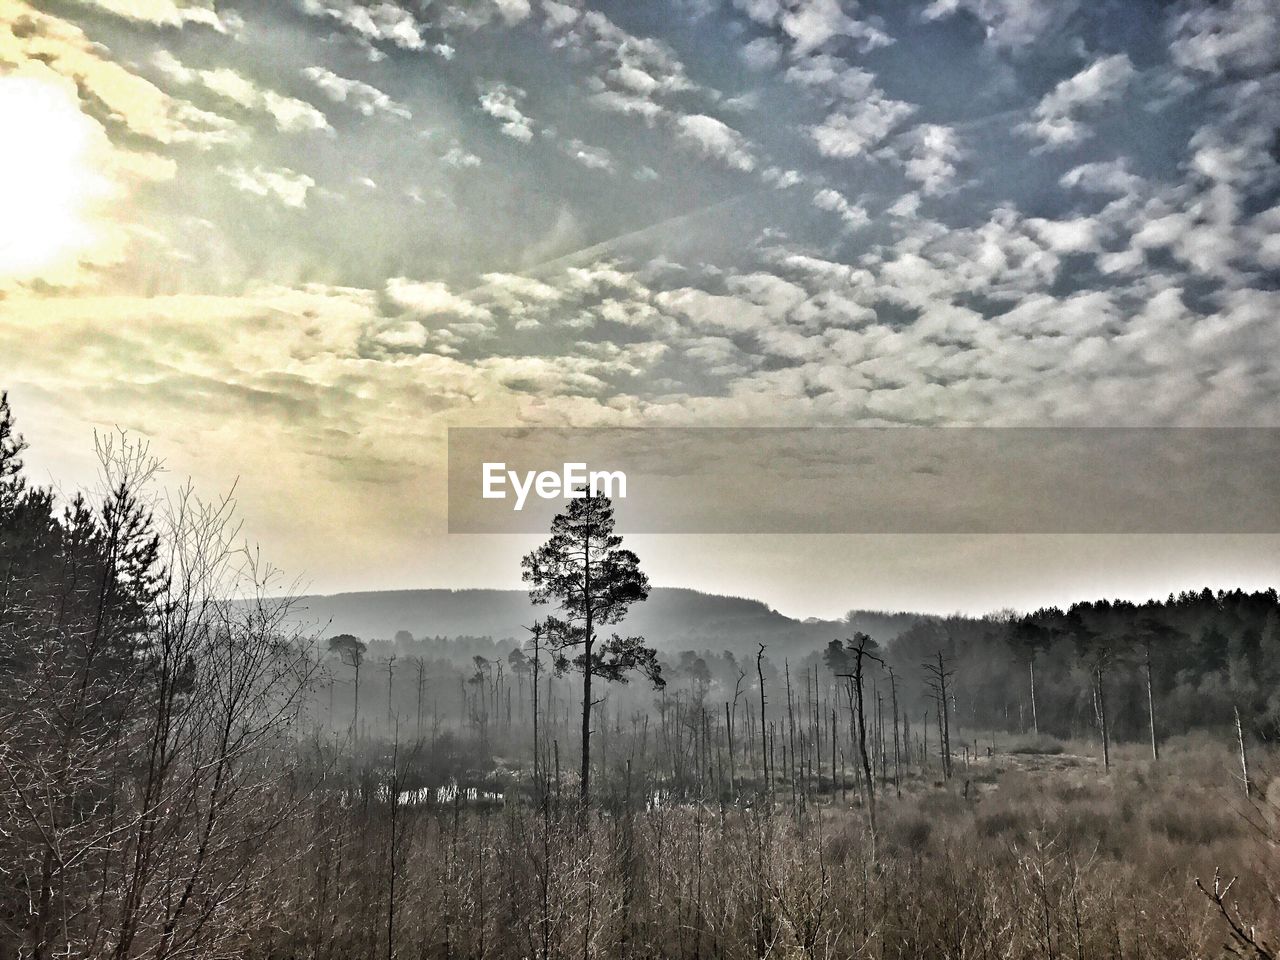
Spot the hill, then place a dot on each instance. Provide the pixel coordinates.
(672, 619)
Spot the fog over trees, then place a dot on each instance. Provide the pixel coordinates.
(188, 773)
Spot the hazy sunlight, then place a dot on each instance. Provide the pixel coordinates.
(46, 179)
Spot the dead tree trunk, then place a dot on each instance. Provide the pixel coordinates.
(1151, 709)
(764, 737)
(938, 677)
(538, 785)
(1035, 716)
(1102, 721)
(791, 735)
(897, 753)
(860, 654)
(1244, 757)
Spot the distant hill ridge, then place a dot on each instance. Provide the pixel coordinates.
(672, 619)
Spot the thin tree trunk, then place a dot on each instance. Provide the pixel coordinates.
(791, 735)
(355, 709)
(585, 788)
(942, 755)
(897, 751)
(1151, 710)
(728, 727)
(1035, 717)
(833, 754)
(1244, 757)
(862, 750)
(537, 759)
(764, 741)
(1102, 717)
(391, 853)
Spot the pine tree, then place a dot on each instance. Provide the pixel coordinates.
(585, 570)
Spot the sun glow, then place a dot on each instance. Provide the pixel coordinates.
(48, 183)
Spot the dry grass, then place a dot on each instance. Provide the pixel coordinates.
(1051, 859)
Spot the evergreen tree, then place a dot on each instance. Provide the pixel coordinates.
(584, 569)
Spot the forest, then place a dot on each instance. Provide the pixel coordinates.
(188, 772)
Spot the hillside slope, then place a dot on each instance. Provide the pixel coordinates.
(671, 619)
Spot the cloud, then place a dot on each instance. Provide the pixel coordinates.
(512, 289)
(1127, 281)
(290, 114)
(811, 24)
(929, 154)
(28, 38)
(1208, 231)
(312, 390)
(433, 300)
(852, 214)
(472, 15)
(1108, 176)
(716, 139)
(1238, 36)
(761, 53)
(541, 376)
(642, 77)
(717, 356)
(715, 312)
(593, 158)
(833, 78)
(854, 129)
(502, 102)
(922, 319)
(282, 184)
(761, 11)
(459, 157)
(304, 389)
(616, 101)
(906, 206)
(1002, 257)
(168, 13)
(1009, 24)
(781, 179)
(1079, 235)
(513, 11)
(628, 74)
(366, 99)
(405, 335)
(374, 22)
(1237, 142)
(1057, 116)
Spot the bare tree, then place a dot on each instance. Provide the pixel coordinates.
(861, 646)
(350, 650)
(1152, 631)
(764, 739)
(938, 676)
(145, 732)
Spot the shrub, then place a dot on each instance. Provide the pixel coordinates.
(1036, 746)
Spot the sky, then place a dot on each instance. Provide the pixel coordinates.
(290, 243)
